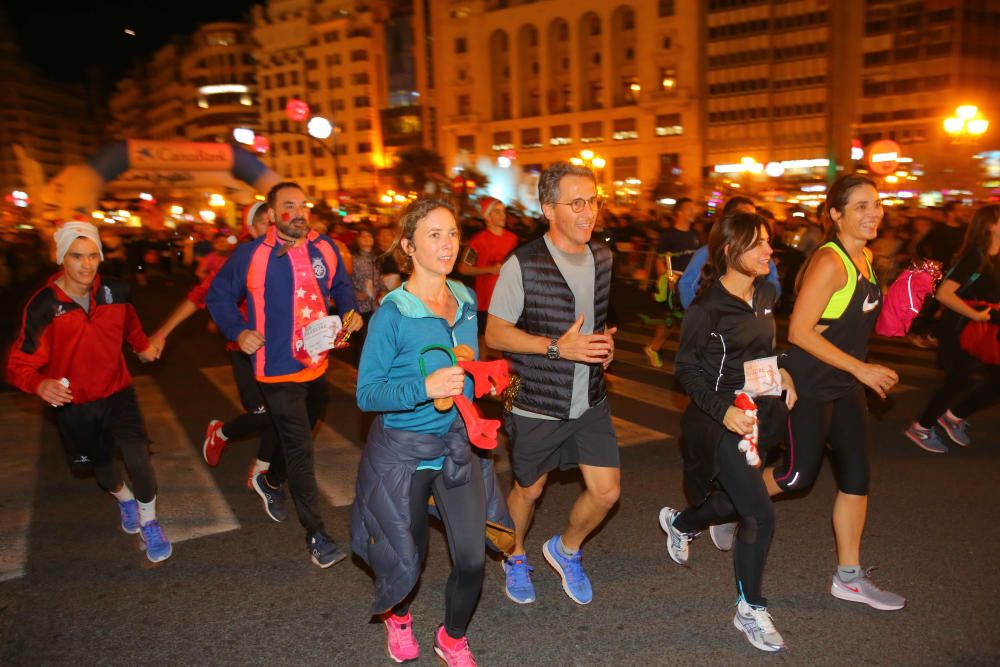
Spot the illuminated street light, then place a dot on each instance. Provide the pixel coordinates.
(244, 135)
(977, 126)
(319, 127)
(216, 200)
(587, 154)
(598, 162)
(967, 122)
(967, 111)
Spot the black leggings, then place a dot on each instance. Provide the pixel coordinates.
(958, 390)
(256, 419)
(463, 512)
(743, 497)
(843, 422)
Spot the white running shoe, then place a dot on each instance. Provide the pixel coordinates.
(758, 626)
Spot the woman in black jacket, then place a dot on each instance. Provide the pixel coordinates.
(731, 324)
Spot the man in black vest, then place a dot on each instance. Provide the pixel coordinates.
(548, 316)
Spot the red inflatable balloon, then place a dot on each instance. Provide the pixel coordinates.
(297, 110)
(261, 144)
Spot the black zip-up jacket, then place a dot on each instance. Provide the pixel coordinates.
(719, 333)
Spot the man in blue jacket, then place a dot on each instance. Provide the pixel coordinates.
(288, 278)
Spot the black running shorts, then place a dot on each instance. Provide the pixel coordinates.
(89, 432)
(538, 446)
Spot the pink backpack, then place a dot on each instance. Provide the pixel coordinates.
(906, 296)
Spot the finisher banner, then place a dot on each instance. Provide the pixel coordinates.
(156, 155)
(73, 193)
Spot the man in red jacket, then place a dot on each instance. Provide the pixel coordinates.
(69, 353)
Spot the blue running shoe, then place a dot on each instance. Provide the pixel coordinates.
(574, 579)
(518, 585)
(274, 499)
(324, 550)
(129, 511)
(155, 542)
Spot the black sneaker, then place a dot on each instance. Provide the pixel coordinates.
(324, 550)
(274, 499)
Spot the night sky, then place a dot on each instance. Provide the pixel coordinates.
(65, 38)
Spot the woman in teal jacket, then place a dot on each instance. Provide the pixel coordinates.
(415, 450)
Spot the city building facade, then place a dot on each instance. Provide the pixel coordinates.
(779, 93)
(330, 54)
(199, 87)
(921, 60)
(614, 85)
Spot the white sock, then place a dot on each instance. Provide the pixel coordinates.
(919, 427)
(123, 494)
(950, 416)
(221, 435)
(260, 466)
(147, 511)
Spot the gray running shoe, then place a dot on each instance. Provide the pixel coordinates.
(927, 439)
(723, 535)
(677, 541)
(756, 623)
(863, 589)
(957, 429)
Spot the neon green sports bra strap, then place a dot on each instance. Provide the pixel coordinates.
(837, 304)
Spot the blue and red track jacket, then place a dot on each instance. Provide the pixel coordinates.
(256, 272)
(58, 339)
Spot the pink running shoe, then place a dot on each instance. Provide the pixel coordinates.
(214, 443)
(400, 643)
(458, 656)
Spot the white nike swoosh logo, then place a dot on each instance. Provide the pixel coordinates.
(470, 317)
(767, 311)
(868, 306)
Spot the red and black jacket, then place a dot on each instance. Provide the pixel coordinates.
(59, 339)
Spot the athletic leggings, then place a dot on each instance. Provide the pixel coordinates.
(843, 422)
(463, 512)
(958, 390)
(256, 419)
(743, 497)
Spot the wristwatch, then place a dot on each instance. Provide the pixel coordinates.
(553, 351)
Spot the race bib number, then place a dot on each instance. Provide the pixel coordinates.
(761, 377)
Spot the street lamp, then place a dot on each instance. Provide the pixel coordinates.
(967, 126)
(318, 128)
(967, 123)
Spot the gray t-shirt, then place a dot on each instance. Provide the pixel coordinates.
(577, 270)
(84, 302)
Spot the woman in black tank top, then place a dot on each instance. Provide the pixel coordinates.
(835, 311)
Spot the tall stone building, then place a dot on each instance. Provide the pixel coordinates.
(615, 85)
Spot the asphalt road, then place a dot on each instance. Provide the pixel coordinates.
(240, 589)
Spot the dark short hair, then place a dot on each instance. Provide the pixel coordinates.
(680, 202)
(272, 194)
(548, 182)
(734, 203)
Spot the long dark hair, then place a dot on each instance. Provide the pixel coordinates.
(978, 236)
(730, 237)
(836, 200)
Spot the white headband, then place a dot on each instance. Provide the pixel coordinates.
(70, 232)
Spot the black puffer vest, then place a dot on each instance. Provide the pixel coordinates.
(549, 310)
